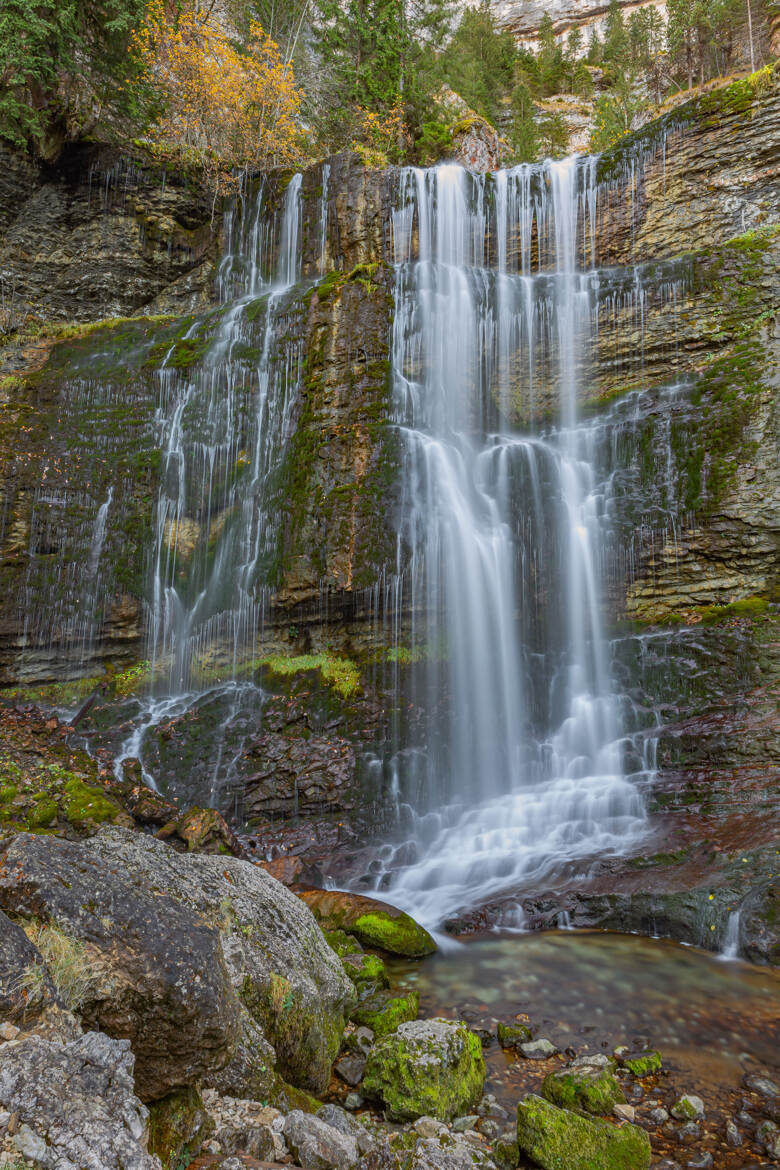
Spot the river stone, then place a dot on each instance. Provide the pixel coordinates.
(317, 1145)
(688, 1108)
(75, 1103)
(436, 1154)
(373, 923)
(159, 976)
(540, 1049)
(592, 1089)
(426, 1067)
(557, 1139)
(288, 978)
(512, 1035)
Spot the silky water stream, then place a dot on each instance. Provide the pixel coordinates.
(524, 771)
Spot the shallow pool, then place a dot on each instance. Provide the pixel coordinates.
(713, 1020)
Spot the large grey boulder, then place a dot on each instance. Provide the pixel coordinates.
(74, 1104)
(286, 975)
(158, 976)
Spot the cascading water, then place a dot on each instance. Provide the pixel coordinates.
(523, 771)
(222, 428)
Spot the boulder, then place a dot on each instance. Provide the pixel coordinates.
(557, 1139)
(641, 1064)
(365, 971)
(586, 1087)
(291, 983)
(373, 923)
(75, 1103)
(448, 1154)
(157, 974)
(426, 1068)
(317, 1145)
(383, 1013)
(18, 957)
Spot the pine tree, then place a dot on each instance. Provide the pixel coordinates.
(46, 43)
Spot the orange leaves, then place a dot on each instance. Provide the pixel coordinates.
(230, 106)
(382, 136)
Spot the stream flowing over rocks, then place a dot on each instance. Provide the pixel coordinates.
(389, 557)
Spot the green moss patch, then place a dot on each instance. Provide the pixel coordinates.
(399, 935)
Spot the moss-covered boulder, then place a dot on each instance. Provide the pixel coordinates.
(383, 1013)
(373, 923)
(339, 941)
(587, 1087)
(426, 1068)
(557, 1139)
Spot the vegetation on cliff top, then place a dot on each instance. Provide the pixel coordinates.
(252, 84)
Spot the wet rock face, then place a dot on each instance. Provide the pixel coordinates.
(106, 236)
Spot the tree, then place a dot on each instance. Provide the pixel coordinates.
(551, 62)
(479, 62)
(524, 134)
(62, 63)
(681, 34)
(225, 106)
(616, 44)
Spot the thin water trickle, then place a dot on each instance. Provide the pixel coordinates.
(524, 769)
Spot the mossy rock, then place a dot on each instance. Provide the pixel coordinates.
(587, 1088)
(383, 1013)
(399, 935)
(557, 1139)
(366, 971)
(513, 1035)
(178, 1127)
(88, 804)
(426, 1068)
(373, 923)
(642, 1064)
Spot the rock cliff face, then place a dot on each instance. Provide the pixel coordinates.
(680, 387)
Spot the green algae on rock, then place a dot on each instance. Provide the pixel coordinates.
(426, 1068)
(587, 1087)
(557, 1139)
(383, 1013)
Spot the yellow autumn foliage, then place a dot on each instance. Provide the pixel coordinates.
(229, 107)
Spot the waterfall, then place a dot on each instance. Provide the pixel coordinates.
(522, 768)
(220, 446)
